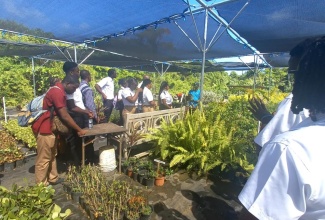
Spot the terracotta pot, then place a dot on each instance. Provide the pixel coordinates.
(129, 172)
(159, 181)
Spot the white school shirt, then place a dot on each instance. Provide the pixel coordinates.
(282, 121)
(119, 93)
(107, 86)
(165, 95)
(126, 93)
(147, 96)
(288, 181)
(77, 97)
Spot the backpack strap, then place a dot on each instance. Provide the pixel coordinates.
(52, 108)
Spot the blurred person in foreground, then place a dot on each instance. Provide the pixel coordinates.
(288, 181)
(283, 119)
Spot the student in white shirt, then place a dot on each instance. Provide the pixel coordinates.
(119, 101)
(288, 181)
(144, 77)
(165, 99)
(130, 98)
(106, 88)
(146, 97)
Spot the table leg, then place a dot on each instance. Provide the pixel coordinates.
(120, 153)
(83, 151)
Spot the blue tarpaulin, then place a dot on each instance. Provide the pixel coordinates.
(139, 32)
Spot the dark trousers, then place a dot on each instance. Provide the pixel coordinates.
(75, 142)
(121, 121)
(108, 108)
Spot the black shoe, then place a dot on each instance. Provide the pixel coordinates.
(60, 180)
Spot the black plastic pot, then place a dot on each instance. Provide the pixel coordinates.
(75, 196)
(9, 166)
(141, 175)
(20, 162)
(82, 202)
(2, 167)
(146, 217)
(135, 176)
(66, 188)
(149, 181)
(124, 169)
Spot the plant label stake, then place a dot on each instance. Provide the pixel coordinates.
(158, 163)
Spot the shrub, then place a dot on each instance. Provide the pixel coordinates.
(24, 134)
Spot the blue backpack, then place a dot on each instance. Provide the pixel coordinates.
(32, 111)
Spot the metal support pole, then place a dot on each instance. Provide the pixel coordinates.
(75, 53)
(203, 52)
(33, 70)
(268, 90)
(255, 71)
(4, 108)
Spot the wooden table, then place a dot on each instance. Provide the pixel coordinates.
(104, 129)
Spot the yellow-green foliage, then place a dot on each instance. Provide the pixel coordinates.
(271, 99)
(24, 134)
(198, 144)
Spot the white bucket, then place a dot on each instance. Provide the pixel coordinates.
(107, 159)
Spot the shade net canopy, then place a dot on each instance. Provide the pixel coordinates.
(141, 34)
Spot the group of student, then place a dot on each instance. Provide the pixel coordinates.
(73, 102)
(135, 98)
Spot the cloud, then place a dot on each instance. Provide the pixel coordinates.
(17, 10)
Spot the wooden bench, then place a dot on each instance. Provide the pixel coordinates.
(143, 123)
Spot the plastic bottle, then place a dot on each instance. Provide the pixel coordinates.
(90, 123)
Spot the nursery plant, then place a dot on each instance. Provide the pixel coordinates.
(197, 144)
(9, 151)
(31, 202)
(23, 134)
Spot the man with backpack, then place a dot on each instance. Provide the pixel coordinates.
(55, 104)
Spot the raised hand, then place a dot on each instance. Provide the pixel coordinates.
(259, 110)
